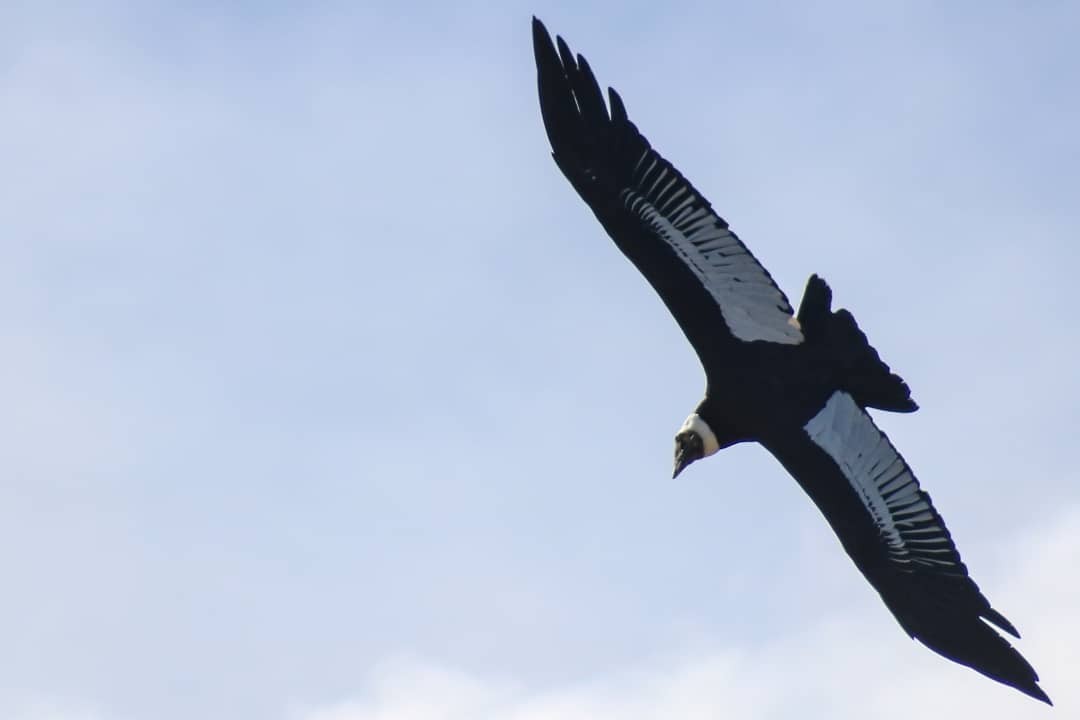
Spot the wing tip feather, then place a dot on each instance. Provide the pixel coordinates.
(998, 620)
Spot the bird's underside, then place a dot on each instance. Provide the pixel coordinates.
(798, 385)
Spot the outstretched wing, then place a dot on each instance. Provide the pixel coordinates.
(717, 291)
(891, 530)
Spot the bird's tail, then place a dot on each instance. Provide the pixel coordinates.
(861, 370)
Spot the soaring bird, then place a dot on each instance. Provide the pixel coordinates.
(797, 384)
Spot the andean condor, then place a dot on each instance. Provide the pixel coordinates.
(798, 384)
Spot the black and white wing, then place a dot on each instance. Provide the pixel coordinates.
(715, 288)
(891, 530)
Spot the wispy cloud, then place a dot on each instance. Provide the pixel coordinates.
(848, 667)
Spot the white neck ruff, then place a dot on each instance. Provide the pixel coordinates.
(696, 424)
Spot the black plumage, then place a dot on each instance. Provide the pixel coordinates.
(798, 385)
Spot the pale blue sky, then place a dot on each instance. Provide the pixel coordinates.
(327, 399)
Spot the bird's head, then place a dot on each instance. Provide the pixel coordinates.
(694, 441)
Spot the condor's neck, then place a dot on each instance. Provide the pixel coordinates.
(724, 421)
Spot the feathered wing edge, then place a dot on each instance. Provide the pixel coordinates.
(909, 557)
(714, 286)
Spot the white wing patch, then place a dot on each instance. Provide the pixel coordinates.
(751, 304)
(913, 531)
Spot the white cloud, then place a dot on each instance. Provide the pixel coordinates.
(843, 667)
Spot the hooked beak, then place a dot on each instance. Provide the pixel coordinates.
(682, 460)
(688, 448)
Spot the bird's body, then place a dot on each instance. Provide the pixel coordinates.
(797, 385)
(747, 405)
